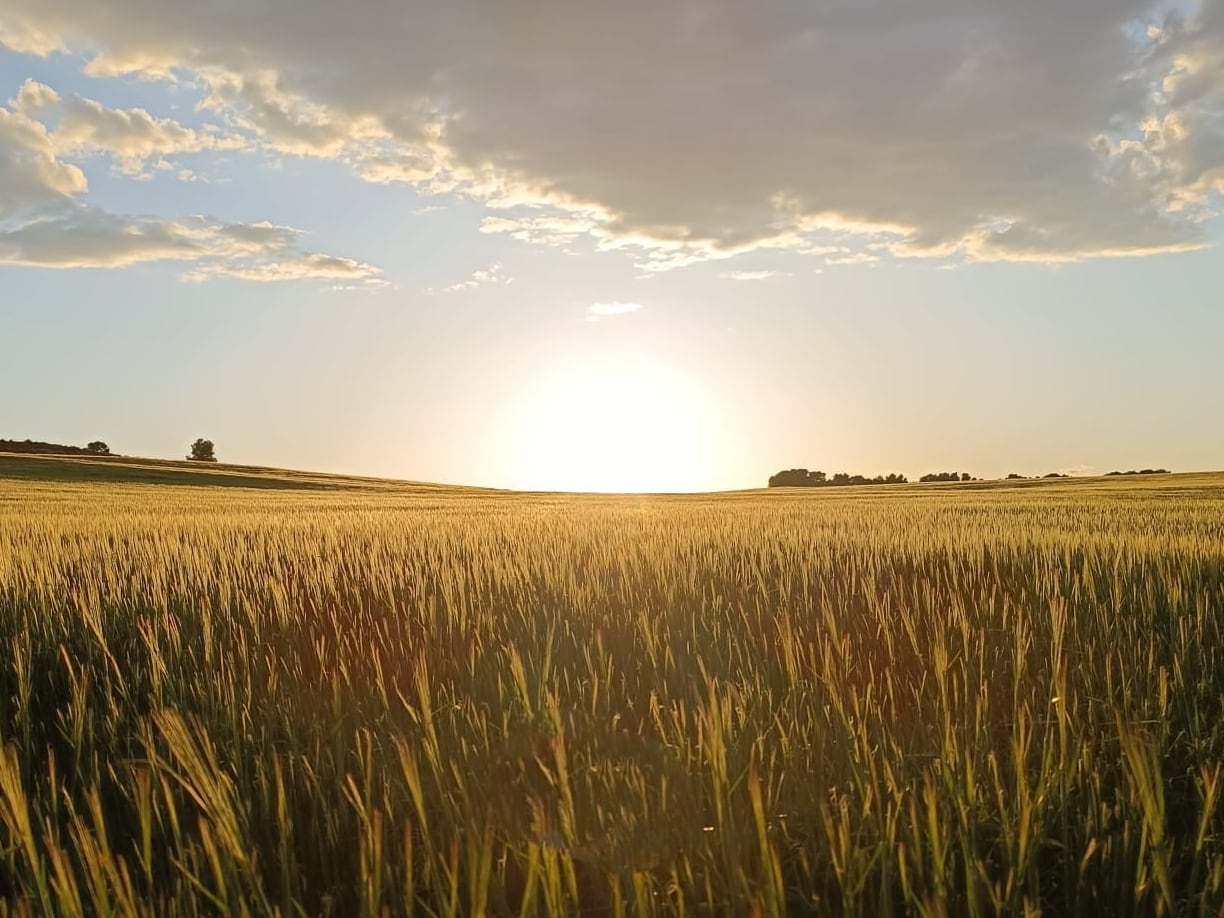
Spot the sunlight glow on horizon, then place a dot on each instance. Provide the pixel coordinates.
(612, 428)
(647, 248)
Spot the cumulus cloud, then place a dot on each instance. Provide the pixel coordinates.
(21, 36)
(700, 129)
(34, 98)
(132, 137)
(597, 311)
(30, 173)
(44, 222)
(42, 132)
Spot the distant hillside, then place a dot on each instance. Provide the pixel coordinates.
(44, 449)
(126, 470)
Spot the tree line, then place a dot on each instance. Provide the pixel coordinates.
(201, 450)
(802, 478)
(947, 476)
(38, 447)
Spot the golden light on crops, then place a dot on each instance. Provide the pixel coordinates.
(271, 692)
(605, 427)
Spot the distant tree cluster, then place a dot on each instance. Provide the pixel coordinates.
(947, 476)
(38, 447)
(203, 451)
(802, 478)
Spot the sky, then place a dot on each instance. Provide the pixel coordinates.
(632, 246)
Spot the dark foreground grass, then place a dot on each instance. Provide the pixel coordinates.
(407, 701)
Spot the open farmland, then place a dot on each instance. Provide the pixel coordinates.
(351, 697)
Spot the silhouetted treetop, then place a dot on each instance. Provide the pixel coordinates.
(802, 478)
(50, 449)
(947, 476)
(202, 451)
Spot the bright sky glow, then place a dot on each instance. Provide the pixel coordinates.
(639, 246)
(614, 428)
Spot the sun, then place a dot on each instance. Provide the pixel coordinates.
(623, 428)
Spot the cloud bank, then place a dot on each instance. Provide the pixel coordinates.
(966, 129)
(44, 221)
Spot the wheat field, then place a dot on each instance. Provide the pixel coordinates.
(353, 698)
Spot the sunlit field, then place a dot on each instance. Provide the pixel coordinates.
(308, 696)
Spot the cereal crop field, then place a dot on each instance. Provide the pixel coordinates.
(251, 692)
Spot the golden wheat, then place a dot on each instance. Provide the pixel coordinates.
(928, 701)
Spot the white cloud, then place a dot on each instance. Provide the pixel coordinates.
(597, 311)
(847, 257)
(132, 137)
(21, 36)
(30, 174)
(43, 222)
(494, 274)
(748, 275)
(557, 228)
(81, 237)
(305, 267)
(34, 98)
(93, 239)
(254, 238)
(991, 130)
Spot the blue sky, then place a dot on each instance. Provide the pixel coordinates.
(672, 249)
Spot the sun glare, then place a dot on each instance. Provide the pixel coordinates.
(625, 428)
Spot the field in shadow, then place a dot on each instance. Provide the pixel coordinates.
(71, 469)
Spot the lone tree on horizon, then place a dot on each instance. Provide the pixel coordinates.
(97, 447)
(202, 451)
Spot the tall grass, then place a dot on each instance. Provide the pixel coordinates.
(917, 703)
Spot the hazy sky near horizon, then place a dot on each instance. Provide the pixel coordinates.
(634, 246)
